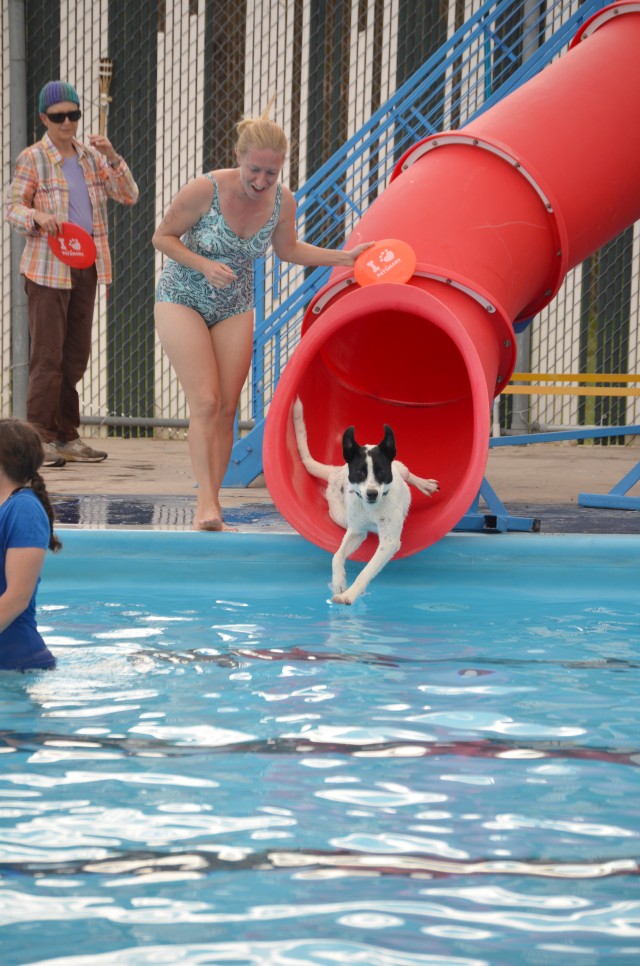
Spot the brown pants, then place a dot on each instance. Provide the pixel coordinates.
(60, 323)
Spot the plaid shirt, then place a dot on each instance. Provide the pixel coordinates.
(39, 183)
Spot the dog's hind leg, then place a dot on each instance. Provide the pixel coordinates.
(319, 470)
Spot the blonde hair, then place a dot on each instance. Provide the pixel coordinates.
(260, 134)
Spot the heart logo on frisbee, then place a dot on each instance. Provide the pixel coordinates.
(390, 260)
(73, 245)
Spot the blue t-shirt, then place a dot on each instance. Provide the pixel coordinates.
(80, 209)
(23, 523)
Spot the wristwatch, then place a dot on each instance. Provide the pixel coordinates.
(115, 164)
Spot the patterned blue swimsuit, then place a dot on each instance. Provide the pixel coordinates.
(212, 237)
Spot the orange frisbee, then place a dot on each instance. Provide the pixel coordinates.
(73, 245)
(389, 260)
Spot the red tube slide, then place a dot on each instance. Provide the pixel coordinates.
(496, 213)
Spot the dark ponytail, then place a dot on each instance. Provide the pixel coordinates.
(39, 488)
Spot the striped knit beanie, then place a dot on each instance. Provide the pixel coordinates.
(55, 92)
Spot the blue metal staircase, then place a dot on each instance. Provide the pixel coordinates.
(499, 48)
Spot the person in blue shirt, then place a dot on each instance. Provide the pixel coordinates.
(26, 533)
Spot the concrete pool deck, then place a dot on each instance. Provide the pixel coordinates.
(148, 482)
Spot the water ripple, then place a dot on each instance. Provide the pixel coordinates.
(224, 859)
(296, 952)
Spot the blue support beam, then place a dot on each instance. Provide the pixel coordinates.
(498, 518)
(615, 499)
(501, 520)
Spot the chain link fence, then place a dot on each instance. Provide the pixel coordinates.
(183, 72)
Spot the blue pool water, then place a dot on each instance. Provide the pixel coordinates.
(226, 768)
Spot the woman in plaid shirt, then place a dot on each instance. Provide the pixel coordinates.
(60, 179)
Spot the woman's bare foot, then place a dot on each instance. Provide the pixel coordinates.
(212, 522)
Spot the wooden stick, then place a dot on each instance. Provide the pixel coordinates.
(104, 79)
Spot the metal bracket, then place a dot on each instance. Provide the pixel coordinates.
(329, 294)
(462, 288)
(443, 140)
(601, 18)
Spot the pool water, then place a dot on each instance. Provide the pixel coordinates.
(227, 768)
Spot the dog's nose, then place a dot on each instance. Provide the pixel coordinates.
(372, 496)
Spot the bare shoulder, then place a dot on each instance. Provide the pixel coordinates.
(195, 195)
(286, 198)
(224, 177)
(190, 203)
(287, 204)
(199, 187)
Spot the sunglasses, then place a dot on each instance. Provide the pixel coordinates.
(59, 117)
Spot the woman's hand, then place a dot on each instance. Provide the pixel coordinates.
(218, 274)
(102, 144)
(358, 250)
(49, 223)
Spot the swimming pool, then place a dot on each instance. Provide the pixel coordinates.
(226, 768)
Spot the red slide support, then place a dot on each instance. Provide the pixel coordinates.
(496, 212)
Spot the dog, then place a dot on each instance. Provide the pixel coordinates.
(369, 493)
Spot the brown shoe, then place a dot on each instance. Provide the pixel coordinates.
(75, 451)
(51, 455)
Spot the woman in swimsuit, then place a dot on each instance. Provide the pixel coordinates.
(214, 229)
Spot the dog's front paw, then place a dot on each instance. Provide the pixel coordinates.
(343, 598)
(339, 582)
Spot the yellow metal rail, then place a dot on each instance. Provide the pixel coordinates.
(515, 387)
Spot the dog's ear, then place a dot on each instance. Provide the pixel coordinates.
(349, 445)
(388, 444)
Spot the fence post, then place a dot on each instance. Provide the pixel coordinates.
(18, 141)
(132, 130)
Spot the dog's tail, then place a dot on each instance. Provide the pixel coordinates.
(312, 466)
(428, 487)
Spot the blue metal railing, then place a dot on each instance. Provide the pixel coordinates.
(499, 48)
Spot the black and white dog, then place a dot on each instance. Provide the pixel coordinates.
(369, 492)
